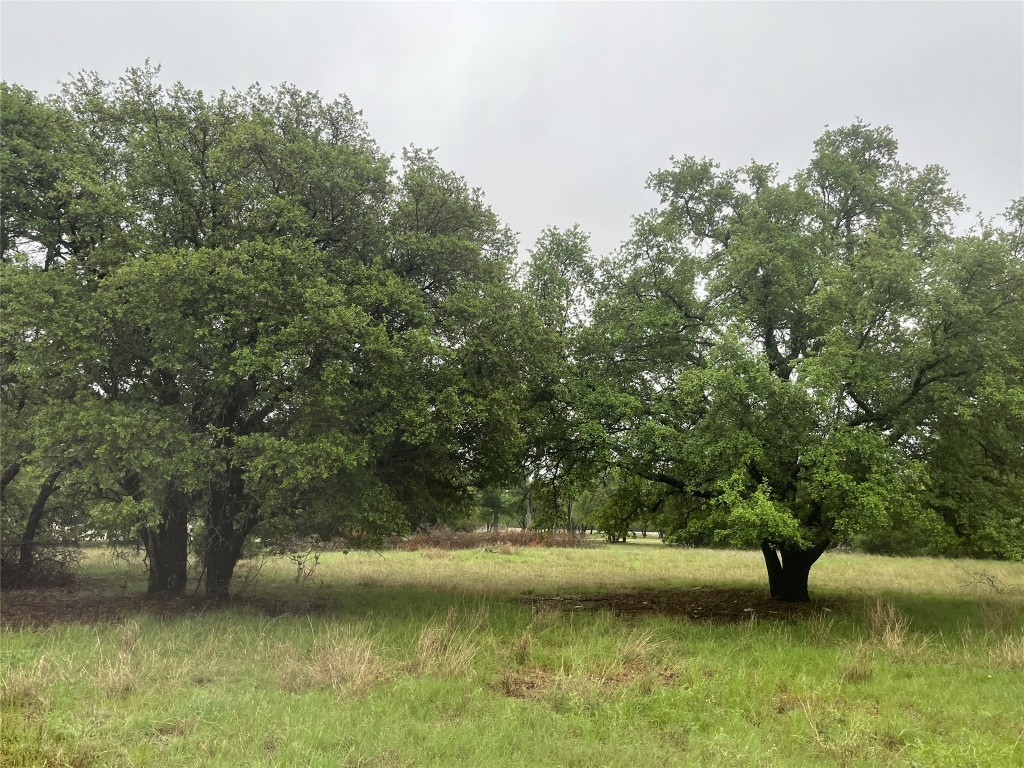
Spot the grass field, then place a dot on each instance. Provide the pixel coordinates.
(434, 658)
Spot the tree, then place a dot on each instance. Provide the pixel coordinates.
(557, 279)
(266, 328)
(52, 190)
(804, 360)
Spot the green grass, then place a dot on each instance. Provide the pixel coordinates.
(423, 659)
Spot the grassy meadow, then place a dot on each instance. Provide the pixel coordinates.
(440, 658)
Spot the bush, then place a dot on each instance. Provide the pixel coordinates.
(445, 538)
(53, 566)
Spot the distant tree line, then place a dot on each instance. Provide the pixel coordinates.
(232, 317)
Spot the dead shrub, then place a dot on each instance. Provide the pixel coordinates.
(504, 542)
(54, 565)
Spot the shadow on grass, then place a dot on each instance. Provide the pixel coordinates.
(112, 596)
(91, 600)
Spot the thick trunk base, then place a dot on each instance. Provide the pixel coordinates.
(789, 570)
(220, 560)
(167, 547)
(223, 551)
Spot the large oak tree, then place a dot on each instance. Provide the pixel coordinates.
(247, 319)
(794, 362)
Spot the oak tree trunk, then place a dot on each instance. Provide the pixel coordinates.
(220, 559)
(10, 472)
(229, 522)
(167, 546)
(789, 569)
(26, 554)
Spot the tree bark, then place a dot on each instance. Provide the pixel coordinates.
(228, 524)
(10, 472)
(789, 569)
(27, 552)
(220, 559)
(167, 545)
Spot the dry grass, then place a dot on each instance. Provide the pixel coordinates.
(23, 688)
(861, 667)
(888, 629)
(639, 650)
(562, 689)
(545, 617)
(1008, 653)
(850, 687)
(341, 660)
(134, 663)
(1001, 615)
(821, 629)
(444, 650)
(519, 650)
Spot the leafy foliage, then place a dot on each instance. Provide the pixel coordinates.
(807, 359)
(243, 318)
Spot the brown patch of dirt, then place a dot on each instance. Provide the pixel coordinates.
(89, 602)
(720, 605)
(536, 682)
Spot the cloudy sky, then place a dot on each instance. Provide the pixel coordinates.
(560, 111)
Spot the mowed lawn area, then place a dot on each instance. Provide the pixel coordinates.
(465, 658)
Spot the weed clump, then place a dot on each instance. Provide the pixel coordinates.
(1009, 654)
(339, 661)
(442, 650)
(861, 667)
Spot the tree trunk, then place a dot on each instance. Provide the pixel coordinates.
(27, 553)
(220, 559)
(167, 546)
(789, 569)
(10, 472)
(569, 518)
(228, 524)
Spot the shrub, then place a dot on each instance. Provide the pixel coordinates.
(445, 538)
(52, 566)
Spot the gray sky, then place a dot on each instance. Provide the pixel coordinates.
(560, 111)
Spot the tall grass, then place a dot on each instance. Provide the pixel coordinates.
(426, 659)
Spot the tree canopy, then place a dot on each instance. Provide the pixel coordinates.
(231, 316)
(798, 362)
(245, 318)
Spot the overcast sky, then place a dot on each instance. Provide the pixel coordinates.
(560, 111)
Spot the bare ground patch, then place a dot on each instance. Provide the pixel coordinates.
(706, 603)
(541, 684)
